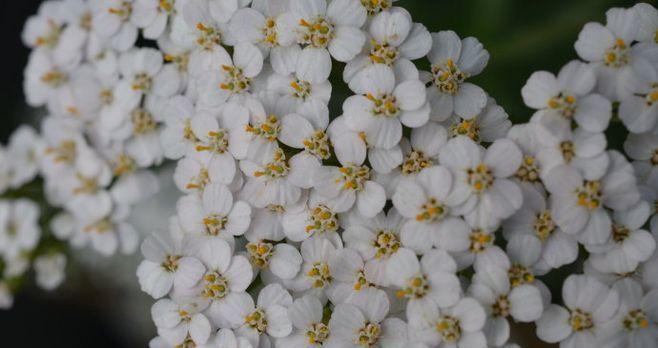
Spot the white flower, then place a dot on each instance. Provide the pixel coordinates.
(166, 265)
(636, 322)
(490, 125)
(647, 16)
(453, 61)
(272, 181)
(50, 270)
(362, 322)
(309, 330)
(273, 260)
(324, 29)
(229, 78)
(115, 21)
(349, 184)
(194, 30)
(536, 220)
(103, 225)
(214, 213)
(311, 218)
(264, 25)
(197, 170)
(267, 318)
(224, 279)
(578, 148)
(395, 41)
(179, 321)
(639, 111)
(491, 287)
(152, 16)
(44, 28)
(578, 204)
(527, 137)
(19, 226)
(43, 78)
(643, 148)
(458, 326)
(568, 97)
(589, 305)
(384, 105)
(315, 275)
(177, 137)
(377, 240)
(629, 244)
(481, 184)
(24, 148)
(429, 283)
(609, 49)
(424, 203)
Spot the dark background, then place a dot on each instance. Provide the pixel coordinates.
(522, 36)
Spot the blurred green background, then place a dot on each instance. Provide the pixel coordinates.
(103, 307)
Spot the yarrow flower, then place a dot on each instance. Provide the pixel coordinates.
(418, 216)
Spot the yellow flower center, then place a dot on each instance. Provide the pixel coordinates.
(383, 53)
(320, 275)
(54, 78)
(480, 178)
(208, 36)
(142, 82)
(620, 233)
(218, 142)
(257, 320)
(124, 11)
(200, 181)
(634, 320)
(563, 104)
(170, 264)
(64, 153)
(317, 33)
(469, 128)
(270, 34)
(376, 6)
(143, 122)
(568, 150)
(519, 275)
(353, 177)
(368, 335)
(590, 195)
(181, 60)
(214, 224)
(432, 211)
(317, 333)
(302, 89)
(52, 36)
(322, 219)
(416, 288)
(529, 170)
(268, 129)
(384, 105)
(101, 226)
(447, 77)
(260, 253)
(618, 55)
(318, 145)
(386, 244)
(215, 286)
(449, 328)
(480, 241)
(235, 81)
(544, 225)
(166, 6)
(580, 320)
(414, 162)
(276, 169)
(501, 307)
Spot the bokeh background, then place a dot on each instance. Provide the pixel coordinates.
(100, 304)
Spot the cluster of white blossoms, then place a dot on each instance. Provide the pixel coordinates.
(420, 217)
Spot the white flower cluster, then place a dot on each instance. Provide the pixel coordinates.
(420, 217)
